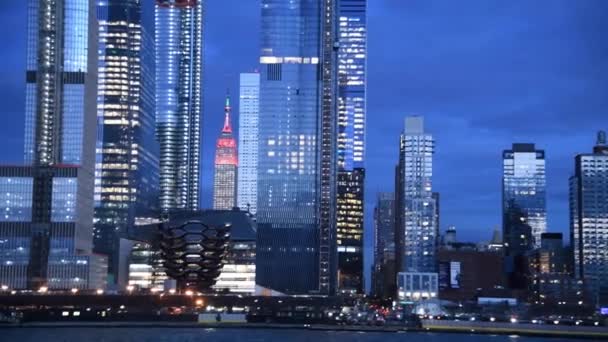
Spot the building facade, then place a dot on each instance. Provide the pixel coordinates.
(420, 227)
(127, 166)
(352, 80)
(589, 219)
(349, 225)
(297, 148)
(524, 184)
(179, 61)
(226, 163)
(249, 111)
(384, 272)
(47, 227)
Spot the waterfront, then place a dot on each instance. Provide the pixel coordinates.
(51, 334)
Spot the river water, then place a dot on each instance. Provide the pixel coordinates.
(238, 335)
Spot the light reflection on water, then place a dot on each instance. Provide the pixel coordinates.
(241, 335)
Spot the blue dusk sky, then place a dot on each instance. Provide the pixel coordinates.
(484, 74)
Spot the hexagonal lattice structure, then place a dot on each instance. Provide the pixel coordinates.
(193, 252)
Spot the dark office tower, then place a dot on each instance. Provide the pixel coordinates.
(46, 226)
(589, 219)
(352, 58)
(297, 149)
(179, 60)
(399, 206)
(226, 161)
(126, 170)
(384, 276)
(523, 182)
(518, 241)
(349, 217)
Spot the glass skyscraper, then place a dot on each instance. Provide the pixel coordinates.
(352, 57)
(296, 161)
(226, 162)
(126, 169)
(46, 228)
(418, 205)
(249, 111)
(589, 219)
(524, 185)
(179, 39)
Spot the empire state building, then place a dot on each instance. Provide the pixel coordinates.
(226, 161)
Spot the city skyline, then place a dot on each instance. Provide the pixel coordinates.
(559, 167)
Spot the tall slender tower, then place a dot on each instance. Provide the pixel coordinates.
(179, 39)
(249, 111)
(224, 181)
(419, 202)
(352, 79)
(589, 219)
(524, 186)
(126, 169)
(297, 147)
(48, 206)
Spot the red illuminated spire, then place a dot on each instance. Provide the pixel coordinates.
(227, 127)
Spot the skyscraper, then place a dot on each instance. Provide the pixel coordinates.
(589, 219)
(126, 170)
(297, 149)
(48, 220)
(384, 275)
(352, 58)
(224, 182)
(419, 202)
(523, 183)
(179, 39)
(249, 111)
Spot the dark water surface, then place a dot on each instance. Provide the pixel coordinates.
(230, 335)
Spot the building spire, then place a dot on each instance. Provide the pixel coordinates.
(600, 146)
(227, 126)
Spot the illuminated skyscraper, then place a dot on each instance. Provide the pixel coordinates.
(297, 147)
(249, 111)
(226, 162)
(179, 39)
(524, 184)
(126, 170)
(589, 219)
(47, 223)
(418, 205)
(352, 58)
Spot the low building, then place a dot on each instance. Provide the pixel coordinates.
(464, 272)
(417, 286)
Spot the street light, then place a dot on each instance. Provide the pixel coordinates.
(130, 288)
(189, 293)
(74, 290)
(99, 291)
(43, 289)
(4, 287)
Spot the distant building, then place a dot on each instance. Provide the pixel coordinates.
(249, 111)
(47, 208)
(524, 185)
(418, 202)
(463, 272)
(127, 165)
(297, 176)
(589, 219)
(226, 163)
(518, 242)
(384, 275)
(551, 283)
(179, 68)
(349, 225)
(352, 81)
